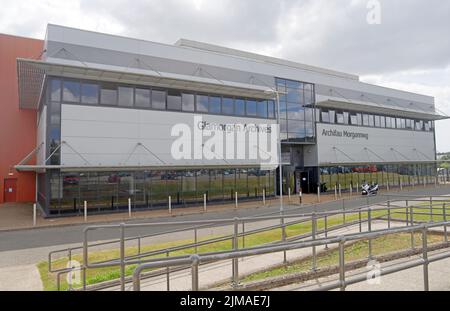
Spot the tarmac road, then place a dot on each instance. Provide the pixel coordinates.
(33, 245)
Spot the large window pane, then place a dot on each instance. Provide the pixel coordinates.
(108, 94)
(214, 104)
(125, 96)
(271, 109)
(202, 103)
(295, 112)
(55, 90)
(174, 100)
(143, 99)
(251, 108)
(239, 107)
(227, 105)
(262, 109)
(158, 99)
(71, 91)
(188, 102)
(89, 93)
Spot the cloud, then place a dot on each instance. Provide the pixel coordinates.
(409, 49)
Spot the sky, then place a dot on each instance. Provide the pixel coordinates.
(403, 44)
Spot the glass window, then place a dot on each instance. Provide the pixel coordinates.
(382, 121)
(174, 100)
(371, 121)
(89, 93)
(108, 94)
(293, 84)
(143, 99)
(239, 107)
(359, 118)
(188, 102)
(332, 116)
(295, 112)
(388, 122)
(346, 117)
(55, 90)
(309, 114)
(419, 125)
(202, 103)
(271, 109)
(340, 117)
(377, 121)
(71, 91)
(158, 99)
(325, 117)
(227, 105)
(262, 109)
(293, 96)
(125, 96)
(215, 104)
(353, 119)
(251, 108)
(365, 119)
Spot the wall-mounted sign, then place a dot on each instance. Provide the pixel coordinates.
(345, 134)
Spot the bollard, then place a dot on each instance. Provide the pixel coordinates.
(318, 194)
(344, 214)
(204, 202)
(357, 187)
(170, 204)
(351, 190)
(387, 185)
(335, 192)
(34, 215)
(129, 208)
(85, 211)
(289, 194)
(264, 197)
(300, 197)
(236, 200)
(401, 185)
(360, 220)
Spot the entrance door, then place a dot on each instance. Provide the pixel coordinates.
(10, 190)
(304, 182)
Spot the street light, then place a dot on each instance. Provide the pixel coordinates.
(280, 162)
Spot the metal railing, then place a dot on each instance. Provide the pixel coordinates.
(142, 257)
(195, 260)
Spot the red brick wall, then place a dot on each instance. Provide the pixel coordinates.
(17, 126)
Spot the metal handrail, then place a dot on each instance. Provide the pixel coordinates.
(196, 259)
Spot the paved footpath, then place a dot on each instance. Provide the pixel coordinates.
(20, 278)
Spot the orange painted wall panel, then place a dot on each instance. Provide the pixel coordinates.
(17, 126)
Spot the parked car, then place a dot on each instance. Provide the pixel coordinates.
(71, 180)
(114, 179)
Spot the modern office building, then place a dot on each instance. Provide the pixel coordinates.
(93, 117)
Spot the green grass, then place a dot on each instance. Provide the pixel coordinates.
(97, 275)
(356, 251)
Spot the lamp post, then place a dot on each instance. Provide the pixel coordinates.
(280, 162)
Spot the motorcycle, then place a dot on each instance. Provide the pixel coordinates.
(369, 189)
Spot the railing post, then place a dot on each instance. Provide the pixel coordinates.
(335, 192)
(129, 207)
(168, 274)
(85, 211)
(351, 190)
(235, 263)
(283, 236)
(170, 204)
(289, 194)
(344, 214)
(360, 220)
(300, 194)
(236, 200)
(326, 230)
(243, 235)
(204, 202)
(340, 191)
(194, 272)
(431, 209)
(34, 215)
(444, 214)
(389, 213)
(196, 240)
(313, 236)
(426, 283)
(122, 257)
(264, 197)
(369, 218)
(342, 264)
(411, 219)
